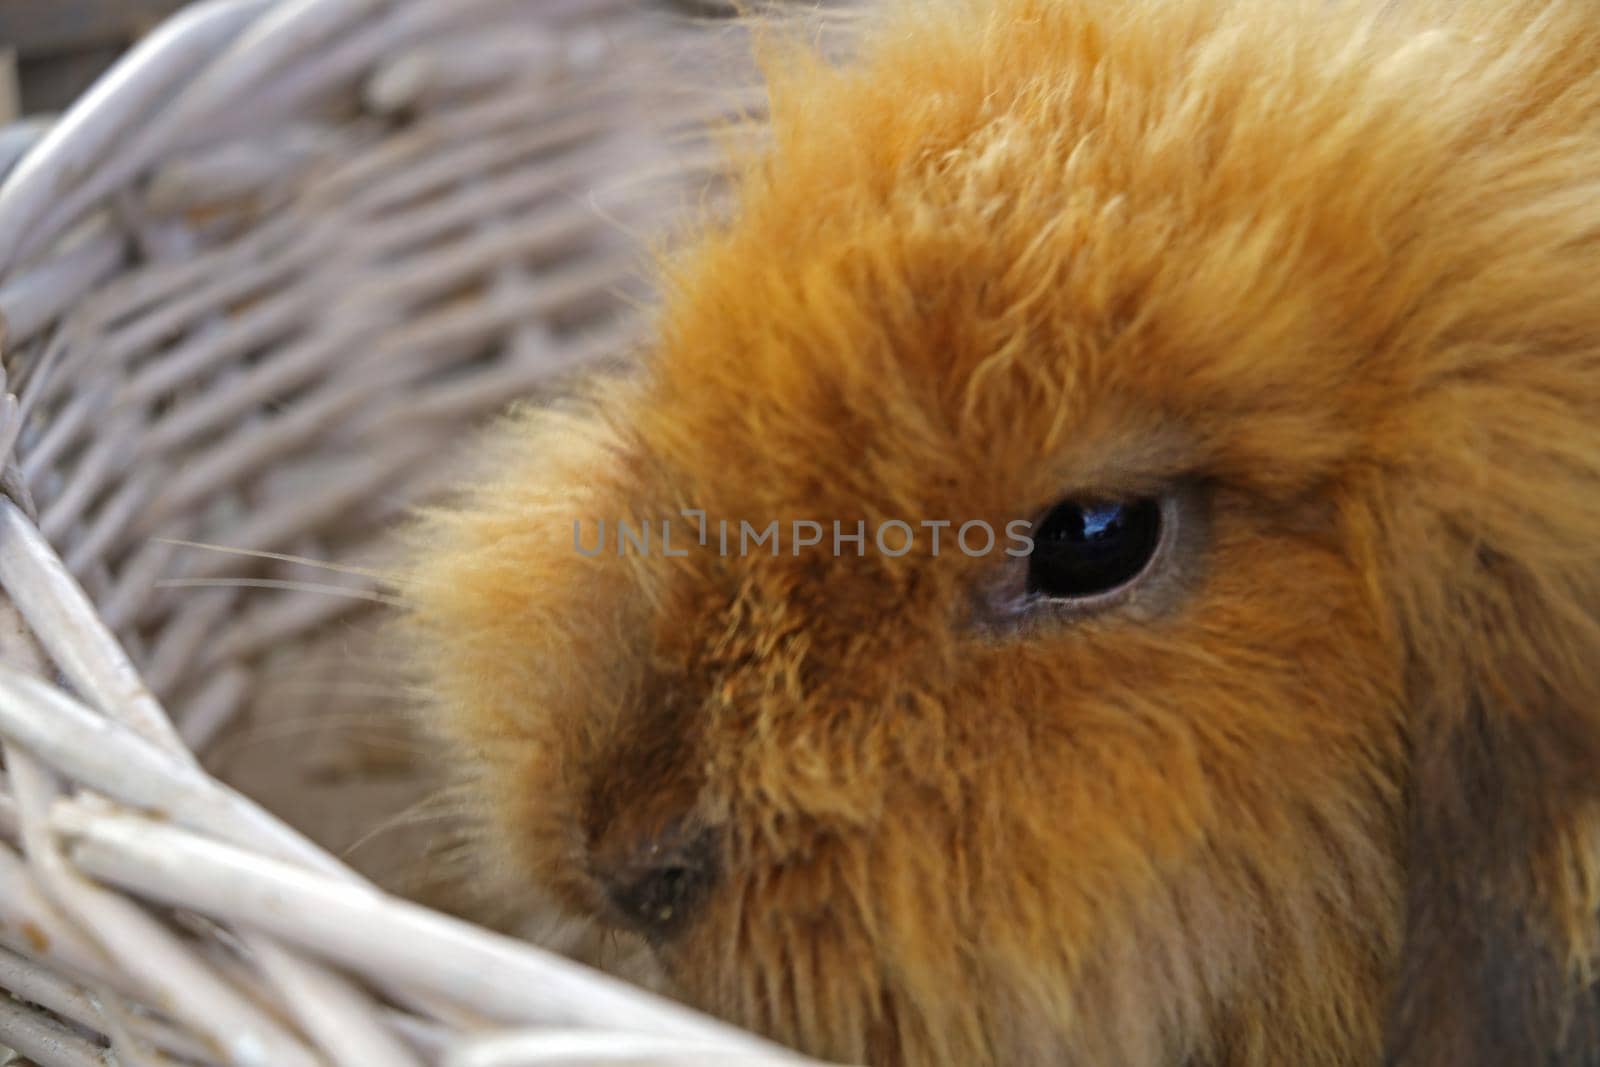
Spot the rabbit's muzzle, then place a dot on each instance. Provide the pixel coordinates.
(652, 862)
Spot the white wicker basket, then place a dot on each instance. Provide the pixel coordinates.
(250, 285)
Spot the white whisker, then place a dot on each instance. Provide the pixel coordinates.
(281, 557)
(403, 695)
(418, 814)
(284, 584)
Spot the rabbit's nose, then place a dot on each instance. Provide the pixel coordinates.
(655, 882)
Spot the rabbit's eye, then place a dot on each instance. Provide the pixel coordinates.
(1091, 554)
(1086, 548)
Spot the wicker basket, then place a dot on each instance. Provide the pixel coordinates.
(252, 285)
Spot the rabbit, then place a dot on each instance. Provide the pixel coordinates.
(1100, 562)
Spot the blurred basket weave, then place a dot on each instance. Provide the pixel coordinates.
(252, 287)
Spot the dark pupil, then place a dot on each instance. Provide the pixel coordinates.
(1085, 547)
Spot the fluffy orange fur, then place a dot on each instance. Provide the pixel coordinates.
(1334, 265)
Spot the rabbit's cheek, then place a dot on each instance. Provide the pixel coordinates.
(849, 949)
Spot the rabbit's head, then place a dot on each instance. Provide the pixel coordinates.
(1103, 563)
